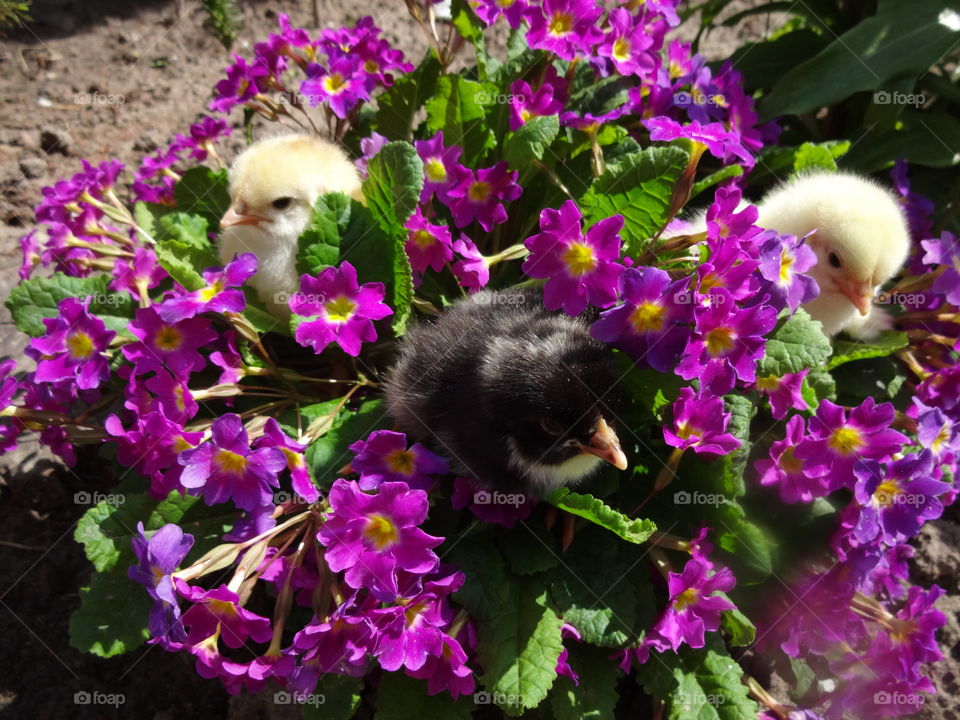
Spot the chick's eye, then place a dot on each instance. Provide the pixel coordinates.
(834, 260)
(282, 203)
(551, 427)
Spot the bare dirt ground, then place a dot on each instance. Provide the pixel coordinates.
(113, 78)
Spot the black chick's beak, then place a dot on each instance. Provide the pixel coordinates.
(606, 446)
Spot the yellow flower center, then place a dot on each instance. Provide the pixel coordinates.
(168, 338)
(423, 239)
(709, 281)
(380, 531)
(401, 461)
(222, 607)
(208, 293)
(435, 170)
(901, 630)
(479, 191)
(846, 440)
(786, 267)
(334, 83)
(340, 309)
(525, 114)
(941, 438)
(886, 493)
(621, 49)
(371, 66)
(505, 3)
(229, 462)
(686, 599)
(179, 398)
(789, 463)
(180, 444)
(560, 24)
(80, 345)
(719, 340)
(294, 459)
(412, 613)
(685, 430)
(580, 259)
(768, 383)
(648, 317)
(675, 70)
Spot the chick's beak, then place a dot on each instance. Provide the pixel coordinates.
(860, 295)
(231, 217)
(606, 446)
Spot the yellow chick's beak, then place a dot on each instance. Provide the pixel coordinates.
(231, 217)
(606, 446)
(860, 295)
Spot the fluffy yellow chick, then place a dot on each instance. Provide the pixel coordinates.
(861, 240)
(273, 186)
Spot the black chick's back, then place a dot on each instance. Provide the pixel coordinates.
(477, 382)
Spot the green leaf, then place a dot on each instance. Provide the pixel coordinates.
(730, 171)
(529, 549)
(519, 649)
(469, 26)
(703, 684)
(392, 191)
(204, 192)
(601, 590)
(724, 474)
(488, 587)
(329, 453)
(530, 141)
(810, 157)
(738, 626)
(400, 698)
(596, 696)
(458, 108)
(920, 138)
(337, 697)
(818, 385)
(184, 250)
(797, 343)
(397, 107)
(764, 63)
(902, 39)
(653, 390)
(37, 298)
(634, 530)
(639, 188)
(887, 343)
(112, 617)
(319, 244)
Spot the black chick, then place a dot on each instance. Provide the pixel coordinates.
(515, 396)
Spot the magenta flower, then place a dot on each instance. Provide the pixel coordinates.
(220, 296)
(218, 612)
(152, 446)
(274, 437)
(447, 670)
(786, 470)
(369, 147)
(579, 269)
(838, 440)
(723, 144)
(700, 423)
(628, 44)
(428, 245)
(338, 309)
(945, 251)
(441, 169)
(240, 86)
(568, 631)
(385, 457)
(782, 260)
(492, 10)
(30, 249)
(341, 86)
(174, 346)
(158, 558)
(918, 208)
(505, 509)
(74, 347)
(203, 135)
(727, 343)
(647, 325)
(340, 644)
(938, 433)
(372, 537)
(911, 641)
(694, 609)
(566, 28)
(471, 270)
(526, 103)
(138, 275)
(784, 392)
(481, 197)
(225, 468)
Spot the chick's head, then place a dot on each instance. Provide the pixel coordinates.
(860, 236)
(274, 184)
(552, 389)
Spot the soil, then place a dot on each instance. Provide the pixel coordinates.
(111, 78)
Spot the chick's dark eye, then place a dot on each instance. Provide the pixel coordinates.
(282, 203)
(834, 260)
(551, 427)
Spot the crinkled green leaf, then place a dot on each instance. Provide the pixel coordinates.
(811, 157)
(184, 250)
(738, 626)
(37, 298)
(795, 344)
(336, 697)
(652, 390)
(845, 351)
(204, 192)
(112, 617)
(595, 698)
(819, 385)
(730, 171)
(326, 455)
(319, 244)
(530, 141)
(458, 108)
(467, 23)
(487, 587)
(529, 549)
(518, 649)
(397, 107)
(639, 188)
(634, 530)
(919, 137)
(400, 697)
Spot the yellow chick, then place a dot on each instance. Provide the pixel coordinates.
(274, 184)
(861, 240)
